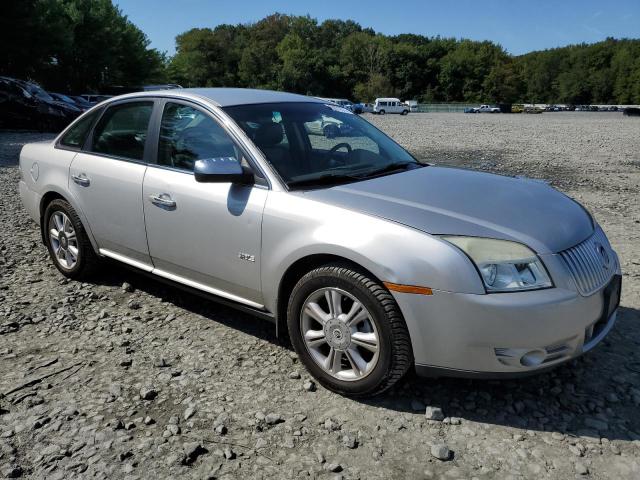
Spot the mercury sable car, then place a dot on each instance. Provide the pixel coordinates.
(370, 261)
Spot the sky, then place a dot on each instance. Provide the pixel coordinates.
(520, 26)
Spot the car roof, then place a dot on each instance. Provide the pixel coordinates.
(226, 97)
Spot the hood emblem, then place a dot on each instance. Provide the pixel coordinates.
(604, 256)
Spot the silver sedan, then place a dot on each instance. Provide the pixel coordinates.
(370, 261)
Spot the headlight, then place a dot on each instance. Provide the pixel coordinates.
(504, 266)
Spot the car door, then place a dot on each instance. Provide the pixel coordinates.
(106, 179)
(206, 235)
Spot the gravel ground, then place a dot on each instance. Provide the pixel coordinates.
(127, 378)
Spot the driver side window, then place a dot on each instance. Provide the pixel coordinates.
(188, 134)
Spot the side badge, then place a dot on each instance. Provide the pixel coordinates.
(247, 257)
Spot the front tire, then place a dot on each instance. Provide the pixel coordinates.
(348, 331)
(381, 112)
(67, 241)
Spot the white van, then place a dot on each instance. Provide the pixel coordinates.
(390, 105)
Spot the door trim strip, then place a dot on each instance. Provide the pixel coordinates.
(179, 279)
(127, 260)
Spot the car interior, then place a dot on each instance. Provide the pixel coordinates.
(122, 131)
(304, 143)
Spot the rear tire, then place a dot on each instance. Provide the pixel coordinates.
(67, 241)
(381, 112)
(348, 331)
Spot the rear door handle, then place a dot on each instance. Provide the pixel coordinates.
(81, 180)
(163, 200)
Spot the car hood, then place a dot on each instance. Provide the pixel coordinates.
(440, 200)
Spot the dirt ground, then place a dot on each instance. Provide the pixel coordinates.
(128, 378)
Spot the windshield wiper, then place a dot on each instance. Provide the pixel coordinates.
(392, 167)
(326, 179)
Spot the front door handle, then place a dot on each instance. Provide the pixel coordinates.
(163, 200)
(81, 180)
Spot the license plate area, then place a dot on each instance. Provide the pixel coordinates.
(611, 301)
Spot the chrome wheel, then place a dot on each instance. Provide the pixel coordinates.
(340, 334)
(64, 241)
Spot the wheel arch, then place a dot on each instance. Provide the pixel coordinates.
(297, 270)
(52, 195)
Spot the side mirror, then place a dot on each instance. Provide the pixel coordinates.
(221, 170)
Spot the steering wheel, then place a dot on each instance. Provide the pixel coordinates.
(333, 151)
(338, 146)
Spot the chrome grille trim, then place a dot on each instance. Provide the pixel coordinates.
(587, 266)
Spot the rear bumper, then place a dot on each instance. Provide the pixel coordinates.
(503, 335)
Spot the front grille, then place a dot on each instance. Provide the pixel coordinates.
(591, 263)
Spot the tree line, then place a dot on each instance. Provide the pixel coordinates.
(89, 45)
(75, 45)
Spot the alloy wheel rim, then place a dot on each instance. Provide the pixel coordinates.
(340, 334)
(64, 240)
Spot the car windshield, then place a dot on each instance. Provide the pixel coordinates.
(316, 144)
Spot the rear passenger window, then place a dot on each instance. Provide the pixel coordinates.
(77, 134)
(187, 135)
(122, 130)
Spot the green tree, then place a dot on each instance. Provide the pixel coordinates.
(75, 45)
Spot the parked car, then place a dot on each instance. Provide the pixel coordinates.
(26, 105)
(413, 105)
(343, 102)
(488, 109)
(370, 261)
(94, 99)
(358, 108)
(367, 108)
(389, 105)
(69, 101)
(83, 103)
(631, 112)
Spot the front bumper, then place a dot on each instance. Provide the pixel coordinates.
(505, 335)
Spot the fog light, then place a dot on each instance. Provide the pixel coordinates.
(533, 358)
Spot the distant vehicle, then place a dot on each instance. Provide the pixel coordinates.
(69, 101)
(631, 112)
(471, 110)
(26, 105)
(357, 108)
(413, 105)
(94, 99)
(342, 102)
(165, 86)
(367, 108)
(83, 103)
(488, 109)
(530, 109)
(390, 105)
(517, 108)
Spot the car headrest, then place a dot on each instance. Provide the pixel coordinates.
(269, 134)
